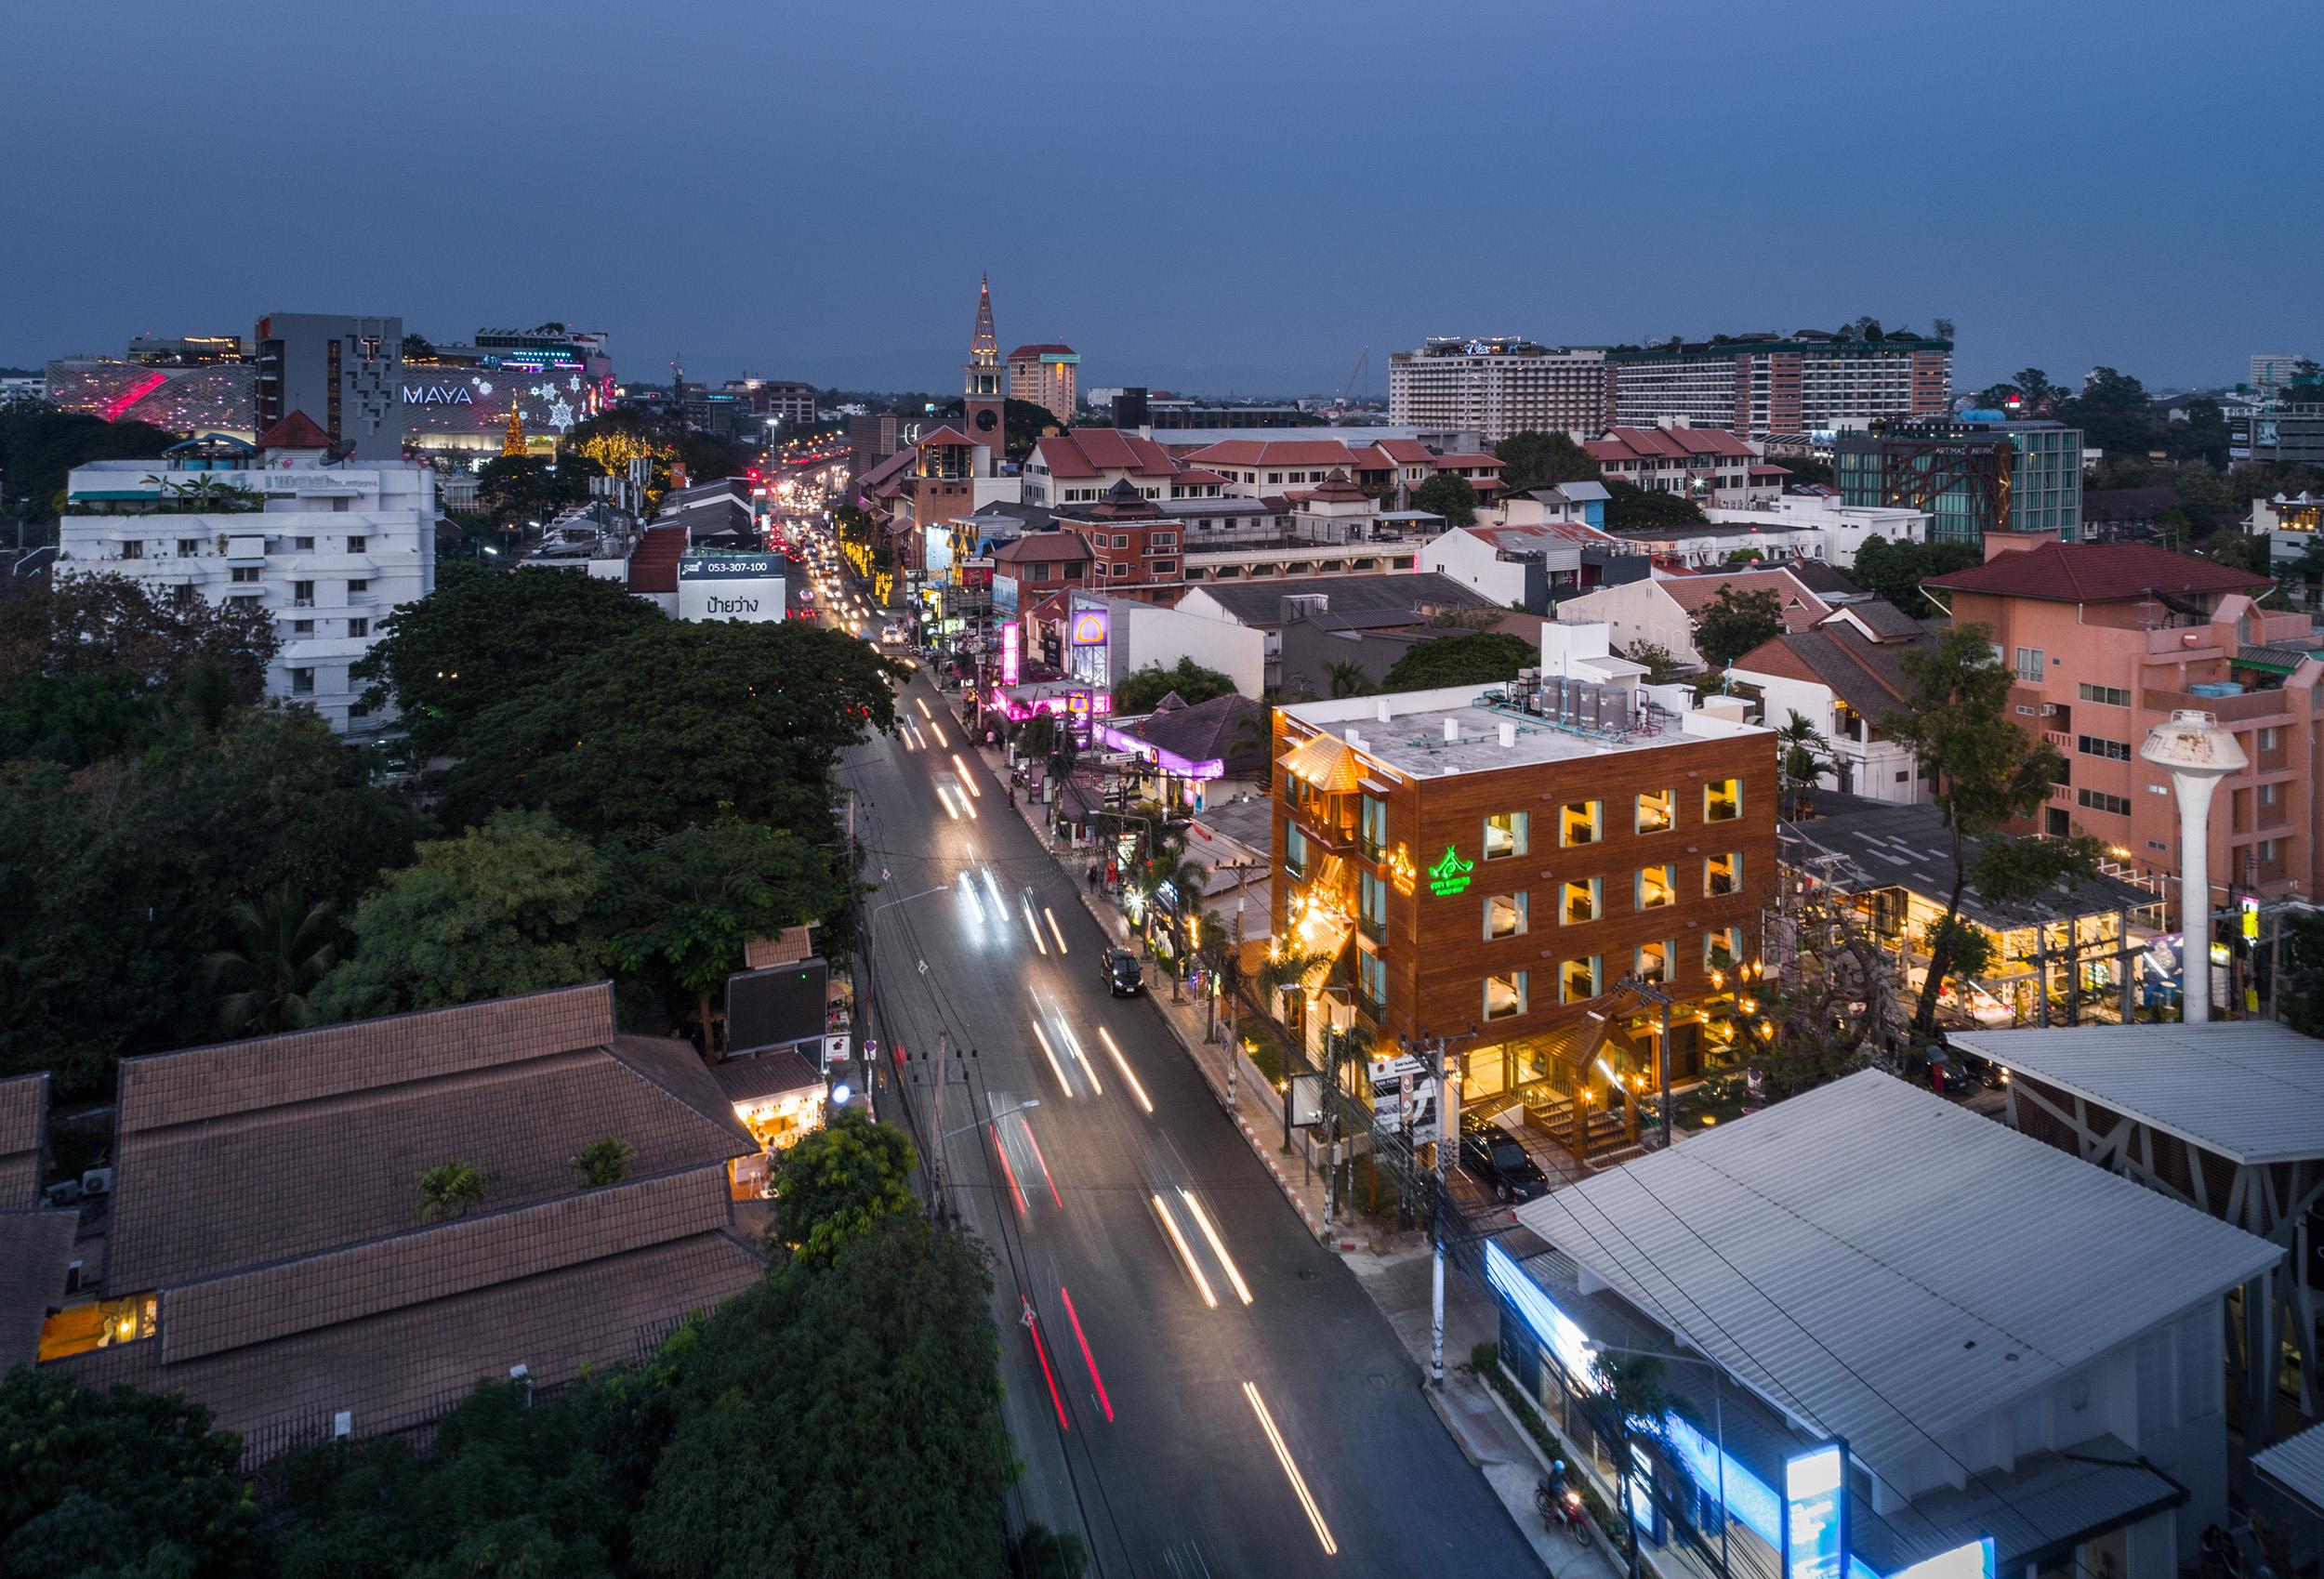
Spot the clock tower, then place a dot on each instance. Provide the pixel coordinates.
(985, 387)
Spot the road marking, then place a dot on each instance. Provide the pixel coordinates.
(1123, 1064)
(1283, 1456)
(1054, 928)
(1055, 1068)
(1218, 1246)
(1169, 1226)
(1099, 1382)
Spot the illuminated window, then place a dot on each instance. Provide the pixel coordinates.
(79, 1328)
(1582, 822)
(1721, 947)
(1585, 898)
(1578, 979)
(1723, 801)
(1504, 915)
(1654, 961)
(1505, 995)
(1657, 810)
(1656, 887)
(1504, 835)
(1723, 874)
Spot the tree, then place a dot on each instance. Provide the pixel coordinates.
(1347, 677)
(1896, 569)
(2113, 412)
(1023, 423)
(450, 1189)
(686, 906)
(519, 488)
(1732, 623)
(1805, 757)
(506, 908)
(1630, 507)
(1448, 494)
(604, 1160)
(1803, 470)
(481, 639)
(837, 1182)
(1532, 460)
(283, 950)
(1140, 690)
(40, 445)
(1479, 658)
(679, 723)
(1988, 773)
(119, 1483)
(1662, 665)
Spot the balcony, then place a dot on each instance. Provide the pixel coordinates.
(1376, 930)
(2251, 705)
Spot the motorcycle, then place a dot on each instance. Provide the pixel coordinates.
(1562, 1506)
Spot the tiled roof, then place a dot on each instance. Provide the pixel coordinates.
(1543, 534)
(1404, 452)
(892, 465)
(1213, 731)
(35, 1249)
(1366, 602)
(1273, 452)
(1885, 620)
(2095, 573)
(946, 435)
(1822, 578)
(296, 431)
(654, 564)
(1446, 463)
(1867, 676)
(793, 944)
(767, 1074)
(1025, 353)
(1801, 609)
(24, 1115)
(1042, 545)
(1089, 452)
(1666, 443)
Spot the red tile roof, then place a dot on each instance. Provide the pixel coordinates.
(1446, 463)
(295, 431)
(1041, 547)
(1801, 609)
(2095, 573)
(948, 435)
(1090, 451)
(1666, 443)
(1025, 353)
(1273, 452)
(1404, 452)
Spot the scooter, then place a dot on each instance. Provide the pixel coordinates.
(1562, 1506)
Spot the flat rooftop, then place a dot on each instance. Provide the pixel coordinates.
(1413, 739)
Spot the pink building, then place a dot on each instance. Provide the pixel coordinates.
(2108, 640)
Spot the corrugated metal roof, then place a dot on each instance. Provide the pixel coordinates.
(2245, 1089)
(2297, 1465)
(1819, 1252)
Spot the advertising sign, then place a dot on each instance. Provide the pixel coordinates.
(731, 586)
(1010, 668)
(1815, 1513)
(1403, 1094)
(1090, 628)
(1004, 593)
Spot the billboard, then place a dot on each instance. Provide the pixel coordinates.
(1010, 668)
(455, 399)
(731, 586)
(779, 1005)
(1815, 1513)
(1090, 628)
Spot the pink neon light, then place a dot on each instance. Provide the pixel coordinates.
(111, 410)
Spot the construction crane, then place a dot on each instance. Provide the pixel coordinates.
(1356, 374)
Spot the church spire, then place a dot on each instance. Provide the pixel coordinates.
(984, 349)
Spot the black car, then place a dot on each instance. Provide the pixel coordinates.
(1122, 973)
(1491, 1156)
(1939, 1069)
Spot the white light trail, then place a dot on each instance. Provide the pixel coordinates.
(1055, 930)
(968, 806)
(1072, 1045)
(1292, 1470)
(1218, 1246)
(994, 888)
(962, 768)
(1169, 1226)
(967, 890)
(1026, 910)
(1123, 1064)
(923, 707)
(938, 730)
(944, 796)
(1055, 1068)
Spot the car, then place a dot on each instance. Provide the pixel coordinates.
(1124, 976)
(1940, 1070)
(1492, 1156)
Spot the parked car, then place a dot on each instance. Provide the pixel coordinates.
(1940, 1070)
(1124, 976)
(1492, 1156)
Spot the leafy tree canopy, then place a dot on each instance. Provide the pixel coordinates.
(838, 1181)
(1733, 622)
(1479, 658)
(40, 445)
(1532, 460)
(1629, 506)
(1145, 687)
(1896, 569)
(1448, 494)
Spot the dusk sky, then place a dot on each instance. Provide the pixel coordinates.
(1215, 197)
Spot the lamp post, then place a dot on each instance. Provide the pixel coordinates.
(1719, 1433)
(2196, 752)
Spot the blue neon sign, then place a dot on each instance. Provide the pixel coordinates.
(1815, 1513)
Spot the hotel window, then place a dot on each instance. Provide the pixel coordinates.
(1657, 810)
(1582, 822)
(1121, 572)
(2112, 750)
(359, 628)
(1585, 899)
(1166, 567)
(1372, 902)
(1162, 540)
(1504, 915)
(1723, 874)
(1505, 995)
(1295, 852)
(1578, 979)
(2271, 795)
(2098, 800)
(1371, 823)
(1654, 961)
(302, 594)
(359, 587)
(1721, 947)
(2268, 738)
(1656, 887)
(1723, 801)
(302, 545)
(1372, 977)
(133, 551)
(1504, 835)
(2111, 695)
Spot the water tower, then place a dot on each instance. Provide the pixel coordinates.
(2198, 753)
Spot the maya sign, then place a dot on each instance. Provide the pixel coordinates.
(733, 586)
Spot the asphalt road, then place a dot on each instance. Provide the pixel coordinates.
(1211, 1393)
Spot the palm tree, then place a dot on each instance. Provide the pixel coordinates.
(448, 1189)
(284, 952)
(1169, 864)
(1347, 678)
(1806, 755)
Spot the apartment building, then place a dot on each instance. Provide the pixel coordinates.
(328, 548)
(1761, 384)
(1082, 466)
(1046, 374)
(1708, 465)
(1498, 387)
(1490, 865)
(2108, 640)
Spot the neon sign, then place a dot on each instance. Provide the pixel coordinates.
(1400, 871)
(1090, 628)
(1449, 875)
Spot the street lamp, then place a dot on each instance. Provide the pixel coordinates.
(1717, 1426)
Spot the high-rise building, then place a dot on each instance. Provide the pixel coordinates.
(1973, 476)
(1046, 376)
(344, 372)
(2272, 371)
(1498, 387)
(1757, 385)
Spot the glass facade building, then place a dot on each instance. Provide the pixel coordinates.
(1973, 476)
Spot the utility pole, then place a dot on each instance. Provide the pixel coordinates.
(1448, 1137)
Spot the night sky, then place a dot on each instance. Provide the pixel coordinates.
(1219, 197)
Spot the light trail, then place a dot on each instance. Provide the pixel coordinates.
(923, 706)
(968, 891)
(1292, 1470)
(968, 806)
(1044, 1162)
(1025, 909)
(962, 768)
(944, 796)
(903, 733)
(1169, 1226)
(993, 887)
(1055, 1068)
(1055, 929)
(1005, 1168)
(1218, 1246)
(1033, 1326)
(1095, 1380)
(1072, 1045)
(938, 730)
(1123, 1064)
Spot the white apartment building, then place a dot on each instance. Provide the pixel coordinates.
(1498, 387)
(330, 550)
(1836, 531)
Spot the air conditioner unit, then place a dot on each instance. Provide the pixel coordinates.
(2049, 709)
(97, 1181)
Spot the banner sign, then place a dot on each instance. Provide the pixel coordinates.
(731, 586)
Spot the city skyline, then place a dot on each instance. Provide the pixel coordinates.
(1980, 164)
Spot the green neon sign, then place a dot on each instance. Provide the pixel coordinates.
(1450, 876)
